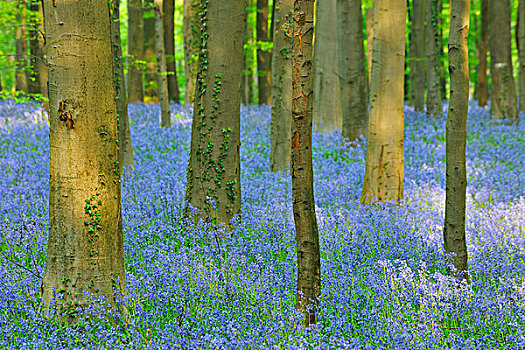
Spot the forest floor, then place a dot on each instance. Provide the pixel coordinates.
(383, 267)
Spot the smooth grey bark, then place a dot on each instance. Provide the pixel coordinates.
(521, 52)
(456, 137)
(483, 86)
(151, 89)
(281, 85)
(417, 55)
(85, 249)
(214, 185)
(352, 69)
(264, 57)
(191, 28)
(135, 51)
(125, 147)
(162, 74)
(369, 14)
(385, 161)
(434, 104)
(503, 103)
(306, 232)
(168, 19)
(327, 96)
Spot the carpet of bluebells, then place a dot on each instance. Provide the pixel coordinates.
(384, 276)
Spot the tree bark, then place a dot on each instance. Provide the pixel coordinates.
(327, 96)
(307, 235)
(151, 89)
(168, 17)
(369, 39)
(85, 247)
(503, 93)
(521, 51)
(483, 85)
(191, 28)
(162, 74)
(434, 103)
(456, 137)
(38, 69)
(214, 184)
(417, 55)
(352, 69)
(264, 57)
(441, 51)
(281, 85)
(22, 73)
(124, 139)
(135, 50)
(384, 171)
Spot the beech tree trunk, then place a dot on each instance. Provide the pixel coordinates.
(264, 57)
(85, 246)
(214, 184)
(503, 92)
(151, 88)
(483, 85)
(162, 74)
(417, 55)
(384, 171)
(434, 103)
(22, 72)
(135, 50)
(125, 148)
(369, 39)
(456, 136)
(192, 39)
(352, 68)
(168, 18)
(327, 96)
(38, 76)
(281, 85)
(521, 51)
(307, 235)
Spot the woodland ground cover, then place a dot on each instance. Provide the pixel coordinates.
(383, 267)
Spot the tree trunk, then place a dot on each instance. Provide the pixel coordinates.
(417, 55)
(281, 85)
(22, 76)
(456, 138)
(168, 18)
(151, 91)
(307, 235)
(384, 171)
(264, 57)
(38, 68)
(352, 68)
(327, 96)
(85, 247)
(441, 51)
(191, 27)
(369, 38)
(483, 85)
(135, 50)
(125, 148)
(214, 184)
(434, 103)
(521, 51)
(503, 93)
(162, 74)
